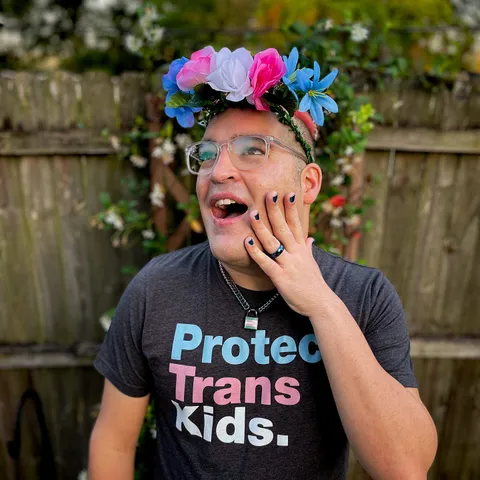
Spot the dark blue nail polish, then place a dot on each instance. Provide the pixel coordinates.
(257, 216)
(250, 241)
(275, 198)
(292, 198)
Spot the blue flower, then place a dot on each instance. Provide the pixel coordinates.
(169, 80)
(314, 98)
(290, 78)
(184, 115)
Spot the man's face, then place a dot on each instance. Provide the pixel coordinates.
(249, 187)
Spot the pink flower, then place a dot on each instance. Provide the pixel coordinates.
(267, 70)
(196, 70)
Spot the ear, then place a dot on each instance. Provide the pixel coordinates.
(311, 182)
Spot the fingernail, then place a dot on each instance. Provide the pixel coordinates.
(250, 241)
(275, 198)
(292, 198)
(257, 216)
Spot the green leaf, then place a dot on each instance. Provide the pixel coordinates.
(105, 199)
(177, 100)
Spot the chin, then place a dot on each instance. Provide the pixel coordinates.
(230, 251)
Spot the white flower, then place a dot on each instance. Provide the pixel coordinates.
(82, 475)
(338, 180)
(133, 43)
(157, 152)
(113, 218)
(168, 159)
(349, 151)
(328, 24)
(435, 44)
(138, 161)
(155, 35)
(453, 35)
(153, 432)
(335, 223)
(105, 321)
(452, 49)
(230, 73)
(183, 140)
(148, 234)
(148, 18)
(337, 211)
(327, 207)
(340, 161)
(359, 33)
(115, 142)
(169, 147)
(353, 221)
(185, 172)
(347, 168)
(157, 196)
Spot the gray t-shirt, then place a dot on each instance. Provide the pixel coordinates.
(233, 403)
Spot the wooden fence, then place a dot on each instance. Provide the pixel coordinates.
(57, 275)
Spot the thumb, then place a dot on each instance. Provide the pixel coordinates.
(309, 242)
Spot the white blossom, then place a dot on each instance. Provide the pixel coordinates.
(353, 221)
(338, 180)
(328, 24)
(155, 35)
(113, 218)
(153, 432)
(327, 207)
(359, 33)
(335, 222)
(157, 196)
(349, 151)
(82, 475)
(337, 211)
(138, 161)
(435, 43)
(133, 43)
(148, 234)
(115, 142)
(169, 147)
(340, 161)
(157, 152)
(183, 140)
(105, 322)
(347, 169)
(452, 49)
(168, 159)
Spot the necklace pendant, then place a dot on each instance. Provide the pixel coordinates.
(251, 320)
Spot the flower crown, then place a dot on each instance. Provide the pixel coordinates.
(214, 81)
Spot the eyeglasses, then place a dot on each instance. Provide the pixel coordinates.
(247, 152)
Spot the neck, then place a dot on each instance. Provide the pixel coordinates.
(251, 279)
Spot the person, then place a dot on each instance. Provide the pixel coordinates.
(264, 354)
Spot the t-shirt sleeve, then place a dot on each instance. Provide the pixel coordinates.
(387, 331)
(120, 358)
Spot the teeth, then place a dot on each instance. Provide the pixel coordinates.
(224, 201)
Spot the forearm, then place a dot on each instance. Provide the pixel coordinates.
(389, 429)
(107, 462)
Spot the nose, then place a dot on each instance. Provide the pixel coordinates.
(223, 168)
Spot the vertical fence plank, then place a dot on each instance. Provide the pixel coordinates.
(376, 164)
(19, 282)
(401, 230)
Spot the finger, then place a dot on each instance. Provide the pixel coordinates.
(293, 218)
(265, 237)
(269, 266)
(280, 228)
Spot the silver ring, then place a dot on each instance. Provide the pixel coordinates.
(276, 254)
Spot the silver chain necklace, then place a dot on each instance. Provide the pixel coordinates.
(251, 316)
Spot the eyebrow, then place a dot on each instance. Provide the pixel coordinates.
(209, 139)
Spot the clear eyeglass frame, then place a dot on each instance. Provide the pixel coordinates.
(268, 140)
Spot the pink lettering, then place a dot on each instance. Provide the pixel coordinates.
(291, 396)
(181, 371)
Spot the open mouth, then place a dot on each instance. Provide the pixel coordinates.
(227, 208)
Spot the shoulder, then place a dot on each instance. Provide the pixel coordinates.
(184, 262)
(340, 272)
(363, 289)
